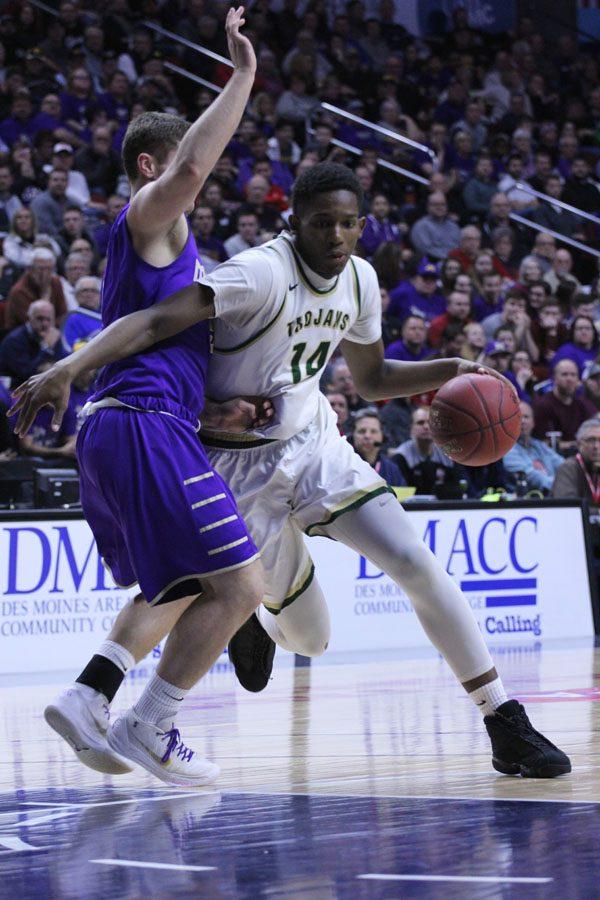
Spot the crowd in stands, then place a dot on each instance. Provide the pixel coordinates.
(502, 116)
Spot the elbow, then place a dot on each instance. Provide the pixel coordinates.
(153, 328)
(368, 392)
(189, 172)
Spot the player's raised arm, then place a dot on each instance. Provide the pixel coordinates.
(162, 201)
(127, 336)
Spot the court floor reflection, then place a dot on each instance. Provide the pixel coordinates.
(341, 780)
(101, 843)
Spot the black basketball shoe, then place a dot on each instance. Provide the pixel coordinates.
(518, 749)
(252, 651)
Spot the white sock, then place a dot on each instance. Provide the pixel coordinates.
(117, 654)
(160, 702)
(489, 697)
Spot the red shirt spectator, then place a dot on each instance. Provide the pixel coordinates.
(38, 283)
(458, 310)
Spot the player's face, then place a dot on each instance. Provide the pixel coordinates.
(328, 231)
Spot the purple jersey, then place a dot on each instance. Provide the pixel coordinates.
(170, 376)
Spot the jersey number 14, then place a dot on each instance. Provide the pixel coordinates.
(313, 364)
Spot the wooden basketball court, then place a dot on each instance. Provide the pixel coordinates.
(354, 777)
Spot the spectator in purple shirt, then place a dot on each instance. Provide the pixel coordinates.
(203, 223)
(412, 346)
(491, 299)
(116, 101)
(78, 100)
(43, 442)
(419, 296)
(583, 346)
(21, 120)
(114, 205)
(259, 149)
(378, 227)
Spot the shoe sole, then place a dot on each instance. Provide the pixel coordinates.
(550, 771)
(254, 687)
(141, 756)
(96, 758)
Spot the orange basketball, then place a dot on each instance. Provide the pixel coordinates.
(475, 419)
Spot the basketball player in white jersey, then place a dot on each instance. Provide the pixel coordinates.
(281, 310)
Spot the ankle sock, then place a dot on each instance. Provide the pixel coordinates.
(489, 697)
(106, 669)
(160, 702)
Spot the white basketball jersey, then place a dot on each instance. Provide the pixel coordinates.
(277, 325)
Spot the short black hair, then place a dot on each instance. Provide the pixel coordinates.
(156, 133)
(323, 178)
(246, 211)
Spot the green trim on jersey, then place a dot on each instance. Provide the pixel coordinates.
(288, 600)
(356, 285)
(354, 504)
(311, 287)
(226, 441)
(255, 337)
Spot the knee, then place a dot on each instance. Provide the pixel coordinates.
(315, 645)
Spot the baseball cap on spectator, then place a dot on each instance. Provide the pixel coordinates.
(593, 372)
(427, 269)
(496, 348)
(34, 53)
(62, 148)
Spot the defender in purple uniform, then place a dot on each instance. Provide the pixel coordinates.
(145, 480)
(162, 517)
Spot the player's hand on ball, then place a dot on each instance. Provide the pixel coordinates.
(51, 388)
(241, 50)
(465, 367)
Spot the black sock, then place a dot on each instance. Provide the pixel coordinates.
(102, 675)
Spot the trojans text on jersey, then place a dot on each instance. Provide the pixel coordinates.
(333, 318)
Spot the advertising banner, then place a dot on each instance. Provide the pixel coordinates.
(58, 602)
(523, 570)
(422, 17)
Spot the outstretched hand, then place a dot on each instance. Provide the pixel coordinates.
(241, 50)
(51, 388)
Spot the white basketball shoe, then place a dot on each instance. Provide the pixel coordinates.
(160, 750)
(80, 715)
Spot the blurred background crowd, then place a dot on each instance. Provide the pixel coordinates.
(471, 261)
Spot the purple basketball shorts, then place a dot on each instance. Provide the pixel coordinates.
(162, 517)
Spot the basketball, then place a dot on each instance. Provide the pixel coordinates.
(475, 419)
